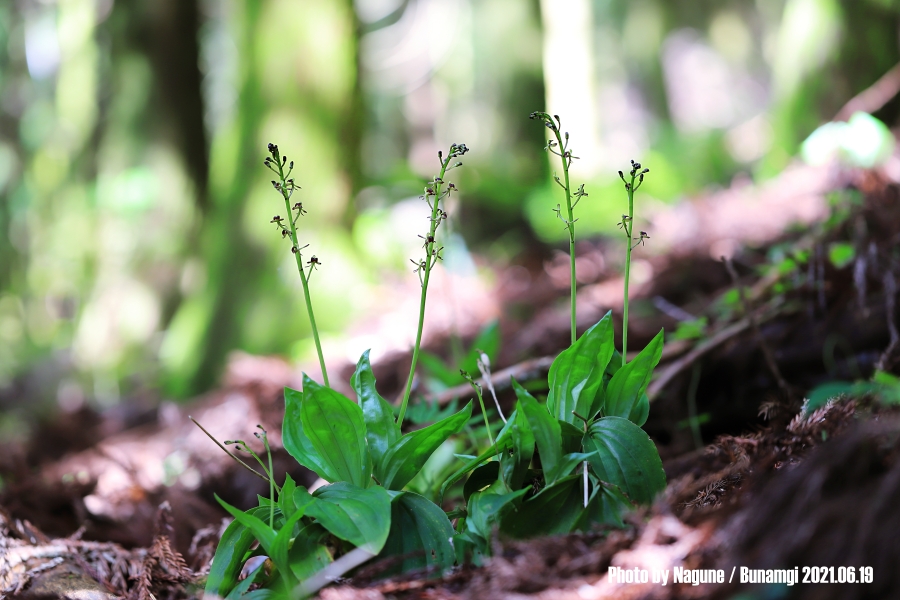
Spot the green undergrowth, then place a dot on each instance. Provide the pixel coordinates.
(571, 462)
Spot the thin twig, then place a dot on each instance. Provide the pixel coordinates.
(873, 97)
(675, 368)
(748, 311)
(535, 368)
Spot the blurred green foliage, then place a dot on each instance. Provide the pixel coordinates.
(135, 244)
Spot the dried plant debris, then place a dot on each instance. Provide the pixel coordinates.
(713, 493)
(70, 567)
(162, 565)
(735, 456)
(837, 508)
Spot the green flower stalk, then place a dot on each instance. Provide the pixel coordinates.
(477, 388)
(627, 225)
(434, 194)
(560, 147)
(285, 185)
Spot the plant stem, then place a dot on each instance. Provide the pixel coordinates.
(265, 439)
(225, 450)
(570, 226)
(286, 194)
(480, 397)
(628, 227)
(430, 258)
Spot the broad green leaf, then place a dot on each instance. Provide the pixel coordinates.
(229, 557)
(260, 594)
(260, 530)
(555, 509)
(626, 457)
(241, 588)
(630, 382)
(482, 477)
(280, 548)
(295, 440)
(381, 429)
(577, 373)
(503, 443)
(571, 436)
(309, 554)
(420, 534)
(274, 543)
(820, 395)
(640, 411)
(546, 431)
(514, 463)
(606, 506)
(286, 497)
(405, 458)
(359, 516)
(336, 430)
(488, 507)
(572, 460)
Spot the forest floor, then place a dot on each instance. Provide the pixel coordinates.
(120, 504)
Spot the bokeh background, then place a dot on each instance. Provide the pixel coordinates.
(136, 249)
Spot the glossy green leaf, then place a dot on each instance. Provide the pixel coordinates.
(577, 373)
(514, 463)
(295, 440)
(503, 443)
(357, 515)
(229, 557)
(260, 594)
(555, 509)
(274, 543)
(281, 546)
(420, 534)
(626, 457)
(546, 431)
(405, 458)
(571, 436)
(309, 554)
(487, 508)
(335, 428)
(572, 460)
(631, 381)
(640, 411)
(286, 497)
(241, 588)
(381, 429)
(606, 506)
